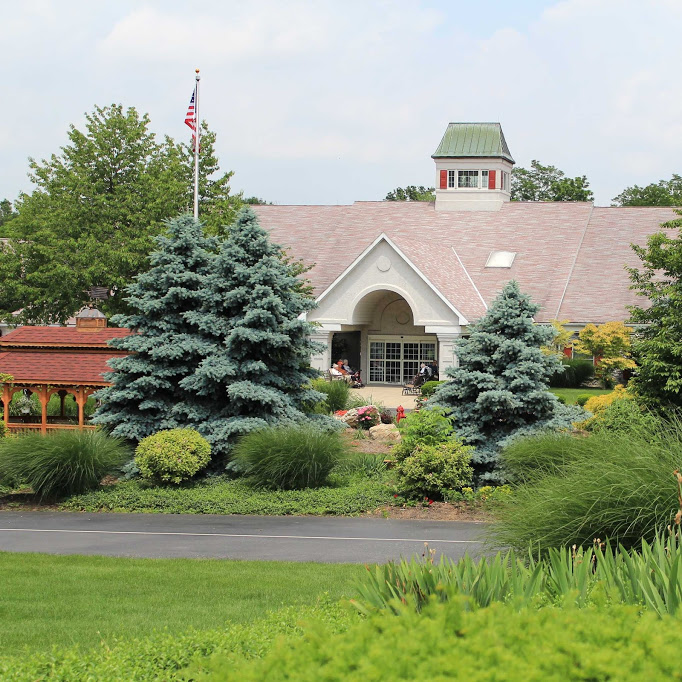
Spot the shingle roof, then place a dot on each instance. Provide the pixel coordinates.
(473, 140)
(570, 256)
(56, 367)
(61, 337)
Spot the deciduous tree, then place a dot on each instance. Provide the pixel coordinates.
(97, 205)
(548, 183)
(411, 193)
(661, 193)
(658, 342)
(610, 345)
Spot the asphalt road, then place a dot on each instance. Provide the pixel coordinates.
(269, 538)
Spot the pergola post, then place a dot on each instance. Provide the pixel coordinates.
(6, 398)
(44, 398)
(80, 401)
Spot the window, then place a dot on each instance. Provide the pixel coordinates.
(484, 179)
(451, 178)
(467, 178)
(500, 259)
(505, 181)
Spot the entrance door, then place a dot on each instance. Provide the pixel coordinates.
(395, 360)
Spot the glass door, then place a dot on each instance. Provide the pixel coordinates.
(396, 361)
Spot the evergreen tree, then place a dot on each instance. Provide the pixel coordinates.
(657, 343)
(258, 364)
(145, 396)
(501, 384)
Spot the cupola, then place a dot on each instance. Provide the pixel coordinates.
(473, 168)
(90, 320)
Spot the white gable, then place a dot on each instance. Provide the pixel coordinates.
(383, 267)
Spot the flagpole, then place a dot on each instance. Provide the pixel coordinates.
(196, 145)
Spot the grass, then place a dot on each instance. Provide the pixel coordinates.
(61, 463)
(76, 600)
(218, 495)
(289, 457)
(570, 394)
(616, 485)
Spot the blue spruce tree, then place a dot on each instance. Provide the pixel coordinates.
(258, 361)
(145, 395)
(500, 388)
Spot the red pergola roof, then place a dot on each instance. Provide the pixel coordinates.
(81, 369)
(62, 336)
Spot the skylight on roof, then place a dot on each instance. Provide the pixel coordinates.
(500, 259)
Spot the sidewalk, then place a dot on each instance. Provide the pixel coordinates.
(388, 396)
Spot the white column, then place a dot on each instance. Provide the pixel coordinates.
(322, 361)
(446, 351)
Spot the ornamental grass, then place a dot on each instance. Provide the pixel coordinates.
(61, 463)
(289, 457)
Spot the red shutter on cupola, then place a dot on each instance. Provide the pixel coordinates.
(491, 179)
(568, 352)
(443, 179)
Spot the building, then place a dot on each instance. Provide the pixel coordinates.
(398, 282)
(62, 361)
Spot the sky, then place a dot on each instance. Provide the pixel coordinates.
(335, 101)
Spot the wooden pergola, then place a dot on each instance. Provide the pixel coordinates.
(59, 361)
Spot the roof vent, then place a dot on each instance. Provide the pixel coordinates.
(90, 320)
(500, 259)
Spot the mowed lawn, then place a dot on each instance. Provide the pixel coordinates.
(570, 394)
(65, 600)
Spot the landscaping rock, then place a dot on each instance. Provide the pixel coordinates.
(386, 432)
(350, 418)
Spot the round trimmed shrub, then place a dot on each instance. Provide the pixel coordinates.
(429, 387)
(62, 463)
(582, 399)
(289, 457)
(432, 470)
(172, 456)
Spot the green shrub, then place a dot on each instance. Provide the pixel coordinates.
(626, 416)
(432, 470)
(336, 393)
(582, 399)
(449, 641)
(61, 463)
(366, 464)
(575, 373)
(220, 495)
(429, 387)
(425, 427)
(616, 485)
(162, 656)
(172, 456)
(289, 457)
(4, 431)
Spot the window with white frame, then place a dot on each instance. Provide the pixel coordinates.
(484, 179)
(505, 181)
(451, 179)
(467, 178)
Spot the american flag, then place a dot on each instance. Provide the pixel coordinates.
(191, 118)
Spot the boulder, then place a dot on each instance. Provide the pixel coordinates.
(385, 432)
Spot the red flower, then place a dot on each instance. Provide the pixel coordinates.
(395, 495)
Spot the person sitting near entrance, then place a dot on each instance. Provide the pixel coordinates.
(342, 371)
(422, 376)
(425, 371)
(356, 381)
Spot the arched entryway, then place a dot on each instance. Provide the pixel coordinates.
(392, 346)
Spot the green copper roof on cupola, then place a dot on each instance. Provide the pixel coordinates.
(466, 140)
